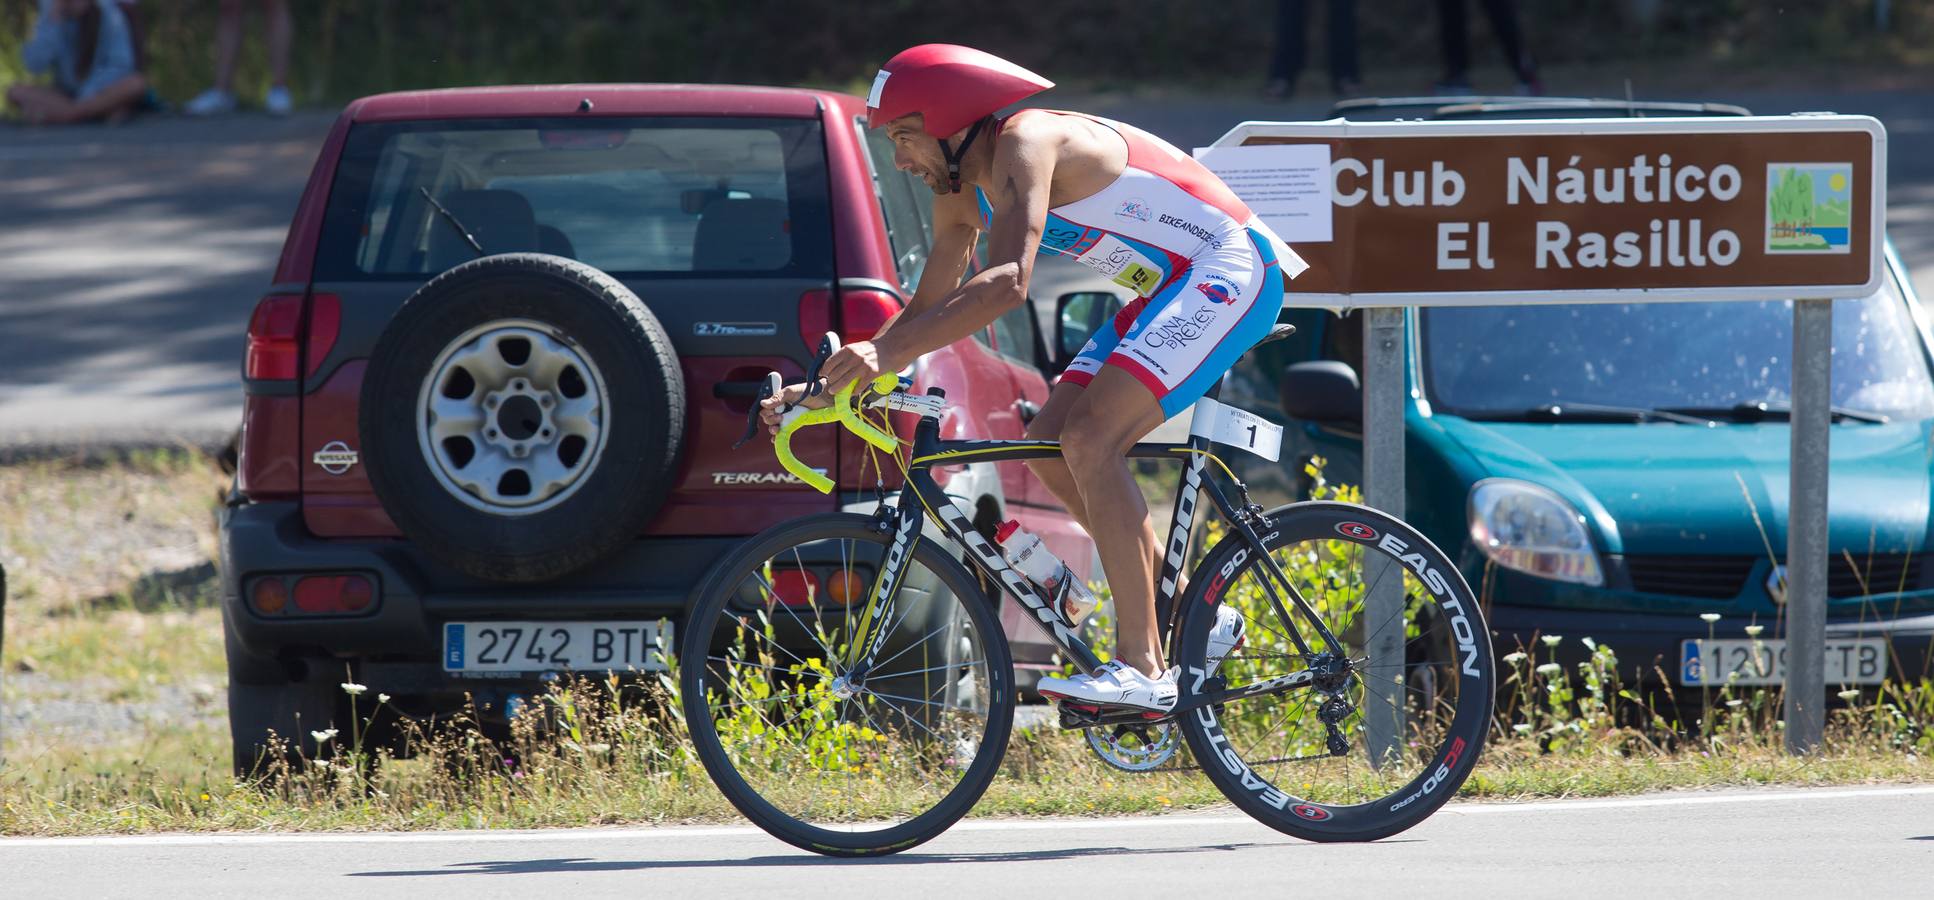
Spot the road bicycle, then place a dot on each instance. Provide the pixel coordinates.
(849, 688)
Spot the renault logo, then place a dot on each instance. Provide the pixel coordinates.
(1776, 584)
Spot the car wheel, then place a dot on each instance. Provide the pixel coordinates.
(522, 416)
(273, 711)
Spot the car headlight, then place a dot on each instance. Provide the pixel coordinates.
(1526, 527)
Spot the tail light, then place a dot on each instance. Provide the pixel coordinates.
(276, 341)
(815, 316)
(325, 321)
(333, 593)
(313, 595)
(795, 587)
(845, 586)
(270, 596)
(861, 313)
(273, 331)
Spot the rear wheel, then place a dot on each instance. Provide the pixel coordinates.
(822, 755)
(1372, 735)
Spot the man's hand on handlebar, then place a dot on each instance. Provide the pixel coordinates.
(860, 361)
(772, 409)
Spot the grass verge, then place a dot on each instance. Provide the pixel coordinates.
(113, 716)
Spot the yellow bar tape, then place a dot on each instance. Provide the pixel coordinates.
(844, 412)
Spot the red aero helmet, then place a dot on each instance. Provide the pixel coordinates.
(949, 85)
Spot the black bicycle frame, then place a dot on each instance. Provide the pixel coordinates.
(921, 497)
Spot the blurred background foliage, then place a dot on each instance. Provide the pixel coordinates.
(347, 48)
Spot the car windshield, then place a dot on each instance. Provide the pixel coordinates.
(1500, 362)
(632, 196)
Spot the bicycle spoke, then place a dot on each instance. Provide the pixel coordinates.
(1296, 729)
(846, 768)
(773, 596)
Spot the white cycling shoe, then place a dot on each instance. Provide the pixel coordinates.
(1115, 684)
(1226, 636)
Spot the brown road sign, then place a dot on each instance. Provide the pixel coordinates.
(1564, 211)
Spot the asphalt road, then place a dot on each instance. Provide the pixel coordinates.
(130, 257)
(1864, 842)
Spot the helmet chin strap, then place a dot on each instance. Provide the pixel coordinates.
(954, 157)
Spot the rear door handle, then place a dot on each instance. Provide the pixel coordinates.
(1028, 409)
(726, 390)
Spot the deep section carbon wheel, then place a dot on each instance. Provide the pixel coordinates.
(840, 715)
(1347, 741)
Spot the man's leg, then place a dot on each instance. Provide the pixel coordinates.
(114, 100)
(37, 103)
(1110, 415)
(1053, 472)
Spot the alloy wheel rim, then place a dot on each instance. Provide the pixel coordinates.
(512, 417)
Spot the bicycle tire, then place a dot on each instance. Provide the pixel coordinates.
(699, 640)
(1462, 739)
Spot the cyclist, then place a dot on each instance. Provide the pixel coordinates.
(1208, 275)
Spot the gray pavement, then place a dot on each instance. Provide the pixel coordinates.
(1866, 842)
(130, 257)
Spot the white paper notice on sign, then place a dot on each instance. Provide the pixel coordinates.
(1287, 185)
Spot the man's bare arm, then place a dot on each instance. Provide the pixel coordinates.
(956, 227)
(1023, 173)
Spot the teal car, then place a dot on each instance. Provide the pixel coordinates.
(1618, 471)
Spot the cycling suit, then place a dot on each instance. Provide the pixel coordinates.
(1208, 274)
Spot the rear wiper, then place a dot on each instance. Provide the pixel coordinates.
(451, 218)
(1591, 412)
(1762, 411)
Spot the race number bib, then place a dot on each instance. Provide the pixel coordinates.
(1237, 428)
(1126, 266)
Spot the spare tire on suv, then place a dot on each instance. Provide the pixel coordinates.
(522, 416)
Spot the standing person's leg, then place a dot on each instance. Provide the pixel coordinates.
(228, 46)
(1453, 41)
(1504, 22)
(1287, 60)
(281, 33)
(1344, 78)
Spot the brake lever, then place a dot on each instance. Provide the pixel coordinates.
(828, 346)
(774, 384)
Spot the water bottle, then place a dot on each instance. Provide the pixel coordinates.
(1029, 556)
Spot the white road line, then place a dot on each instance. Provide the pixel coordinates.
(680, 831)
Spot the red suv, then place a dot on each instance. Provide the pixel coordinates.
(492, 394)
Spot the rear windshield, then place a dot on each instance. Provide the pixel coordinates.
(656, 196)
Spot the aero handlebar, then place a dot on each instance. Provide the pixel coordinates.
(843, 410)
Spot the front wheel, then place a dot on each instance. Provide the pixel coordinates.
(1353, 740)
(818, 750)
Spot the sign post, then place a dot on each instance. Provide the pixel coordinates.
(1806, 528)
(1554, 211)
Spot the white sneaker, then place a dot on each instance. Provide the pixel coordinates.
(1226, 635)
(210, 102)
(1115, 684)
(278, 102)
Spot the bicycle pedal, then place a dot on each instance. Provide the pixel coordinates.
(1086, 715)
